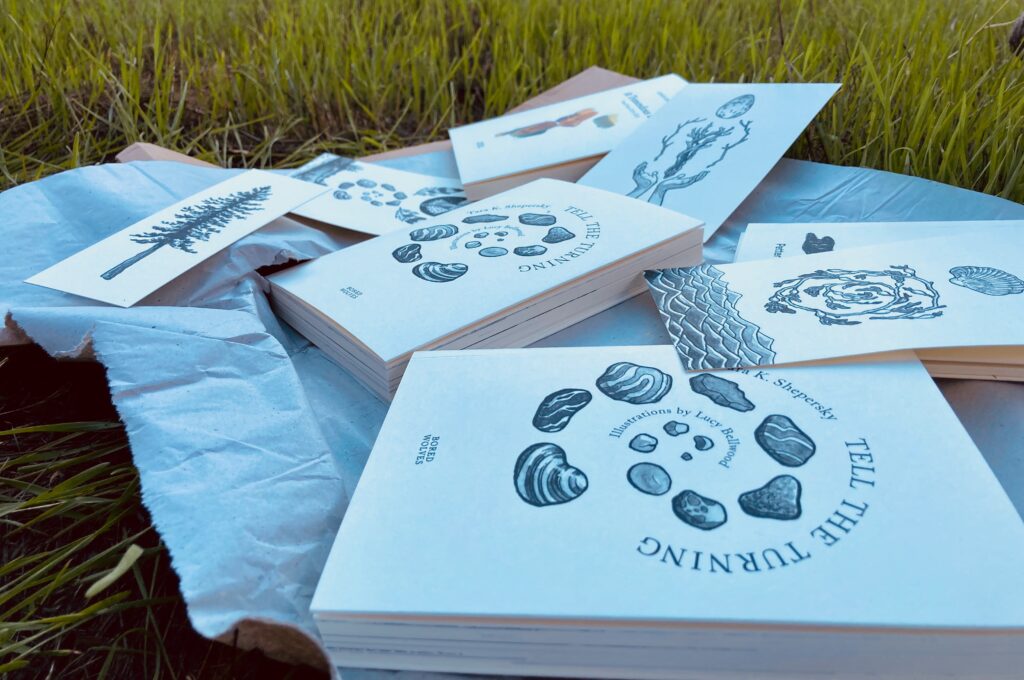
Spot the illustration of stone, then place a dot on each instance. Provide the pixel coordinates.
(407, 253)
(781, 439)
(700, 313)
(543, 476)
(484, 218)
(735, 107)
(437, 272)
(721, 391)
(557, 235)
(778, 499)
(846, 297)
(702, 443)
(649, 478)
(634, 384)
(530, 251)
(536, 219)
(318, 172)
(473, 244)
(558, 408)
(687, 456)
(987, 280)
(813, 244)
(643, 443)
(434, 233)
(493, 251)
(699, 511)
(674, 428)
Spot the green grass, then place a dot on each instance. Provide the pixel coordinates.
(930, 86)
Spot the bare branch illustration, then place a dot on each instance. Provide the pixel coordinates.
(697, 140)
(666, 141)
(745, 124)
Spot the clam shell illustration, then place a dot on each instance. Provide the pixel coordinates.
(558, 408)
(987, 280)
(438, 272)
(408, 253)
(634, 384)
(544, 477)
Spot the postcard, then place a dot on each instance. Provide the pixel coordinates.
(372, 198)
(962, 291)
(558, 133)
(709, 147)
(129, 265)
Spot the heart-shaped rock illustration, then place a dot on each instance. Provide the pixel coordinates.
(778, 499)
(544, 477)
(699, 511)
(813, 244)
(781, 439)
(558, 408)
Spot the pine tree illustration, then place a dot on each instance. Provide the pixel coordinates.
(194, 223)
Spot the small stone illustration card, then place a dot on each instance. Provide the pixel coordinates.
(709, 147)
(963, 291)
(132, 263)
(374, 199)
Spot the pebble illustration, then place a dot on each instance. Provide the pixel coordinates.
(735, 107)
(634, 384)
(778, 499)
(781, 439)
(493, 251)
(557, 235)
(674, 428)
(543, 476)
(687, 455)
(437, 272)
(699, 511)
(649, 478)
(643, 443)
(536, 219)
(530, 251)
(407, 253)
(481, 219)
(702, 443)
(473, 244)
(434, 233)
(721, 391)
(558, 408)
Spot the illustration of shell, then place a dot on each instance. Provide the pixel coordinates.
(721, 391)
(558, 408)
(735, 107)
(407, 253)
(987, 280)
(557, 235)
(530, 251)
(434, 233)
(486, 217)
(778, 499)
(699, 511)
(643, 443)
(702, 443)
(493, 251)
(785, 442)
(674, 428)
(543, 476)
(437, 272)
(649, 478)
(634, 384)
(536, 219)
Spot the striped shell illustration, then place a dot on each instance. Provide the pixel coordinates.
(434, 233)
(544, 477)
(558, 408)
(407, 253)
(437, 272)
(987, 280)
(634, 384)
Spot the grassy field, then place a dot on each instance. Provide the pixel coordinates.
(930, 89)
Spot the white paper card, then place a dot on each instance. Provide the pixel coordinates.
(960, 291)
(374, 199)
(706, 150)
(763, 241)
(603, 485)
(557, 133)
(129, 265)
(401, 290)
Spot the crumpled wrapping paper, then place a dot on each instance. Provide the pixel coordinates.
(249, 442)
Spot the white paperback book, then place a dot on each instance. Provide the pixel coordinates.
(374, 199)
(597, 512)
(502, 272)
(709, 147)
(956, 291)
(555, 135)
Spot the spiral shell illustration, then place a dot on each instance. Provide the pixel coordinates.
(434, 233)
(735, 107)
(536, 219)
(557, 235)
(558, 408)
(987, 280)
(649, 478)
(544, 477)
(437, 272)
(407, 253)
(634, 384)
(486, 217)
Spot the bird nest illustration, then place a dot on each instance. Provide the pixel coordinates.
(848, 297)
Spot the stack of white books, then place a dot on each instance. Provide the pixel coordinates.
(503, 272)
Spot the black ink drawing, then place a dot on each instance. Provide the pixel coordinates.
(643, 443)
(702, 443)
(321, 172)
(674, 428)
(194, 223)
(846, 297)
(434, 233)
(543, 476)
(634, 384)
(408, 253)
(493, 251)
(687, 456)
(699, 511)
(649, 478)
(700, 312)
(778, 499)
(786, 443)
(537, 219)
(484, 218)
(987, 280)
(558, 408)
(655, 184)
(530, 251)
(386, 195)
(437, 272)
(813, 244)
(557, 235)
(721, 391)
